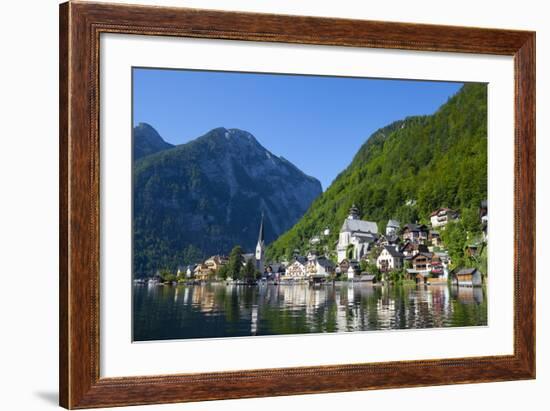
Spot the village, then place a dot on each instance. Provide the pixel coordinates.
(410, 253)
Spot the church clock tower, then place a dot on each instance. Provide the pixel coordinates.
(260, 248)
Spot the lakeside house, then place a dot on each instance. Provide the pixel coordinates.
(216, 262)
(353, 269)
(390, 259)
(355, 236)
(421, 267)
(468, 277)
(207, 269)
(342, 266)
(319, 266)
(422, 262)
(297, 269)
(202, 272)
(442, 216)
(359, 241)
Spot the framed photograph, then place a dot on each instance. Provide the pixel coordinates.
(259, 205)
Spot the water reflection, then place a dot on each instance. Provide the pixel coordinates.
(219, 310)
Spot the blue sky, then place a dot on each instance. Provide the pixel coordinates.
(318, 123)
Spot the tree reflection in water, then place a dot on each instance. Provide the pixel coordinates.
(219, 310)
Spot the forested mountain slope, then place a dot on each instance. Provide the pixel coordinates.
(405, 171)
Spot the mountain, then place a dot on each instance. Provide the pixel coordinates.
(405, 171)
(206, 196)
(147, 141)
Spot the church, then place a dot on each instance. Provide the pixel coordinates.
(258, 257)
(260, 248)
(355, 236)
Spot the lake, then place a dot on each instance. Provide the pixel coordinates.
(163, 312)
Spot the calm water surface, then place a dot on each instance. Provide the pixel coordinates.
(219, 310)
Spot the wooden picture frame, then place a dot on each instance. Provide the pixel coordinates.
(80, 27)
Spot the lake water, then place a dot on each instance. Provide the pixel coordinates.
(219, 310)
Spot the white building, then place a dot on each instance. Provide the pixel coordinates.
(296, 270)
(355, 236)
(318, 266)
(185, 271)
(390, 259)
(354, 270)
(441, 216)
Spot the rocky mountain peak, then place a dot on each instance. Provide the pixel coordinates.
(206, 196)
(147, 141)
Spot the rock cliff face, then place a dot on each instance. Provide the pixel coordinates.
(206, 196)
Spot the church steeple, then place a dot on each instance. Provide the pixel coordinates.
(353, 213)
(261, 235)
(260, 246)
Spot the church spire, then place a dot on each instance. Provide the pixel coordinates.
(261, 234)
(353, 213)
(260, 255)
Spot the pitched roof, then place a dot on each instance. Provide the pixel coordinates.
(393, 252)
(414, 227)
(423, 254)
(441, 209)
(466, 271)
(301, 259)
(392, 223)
(359, 226)
(276, 267)
(325, 262)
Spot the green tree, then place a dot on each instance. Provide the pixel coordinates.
(405, 171)
(249, 272)
(167, 275)
(223, 272)
(235, 264)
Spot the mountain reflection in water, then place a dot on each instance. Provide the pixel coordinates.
(219, 310)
